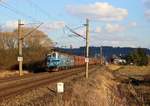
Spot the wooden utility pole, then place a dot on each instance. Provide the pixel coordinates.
(101, 54)
(87, 48)
(20, 41)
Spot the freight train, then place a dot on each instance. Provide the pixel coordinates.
(58, 60)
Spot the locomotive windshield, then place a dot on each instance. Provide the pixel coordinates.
(54, 54)
(48, 55)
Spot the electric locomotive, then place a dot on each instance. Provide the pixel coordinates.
(57, 60)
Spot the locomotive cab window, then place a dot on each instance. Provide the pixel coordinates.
(49, 55)
(55, 54)
(48, 60)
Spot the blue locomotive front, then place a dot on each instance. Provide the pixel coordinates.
(57, 60)
(52, 60)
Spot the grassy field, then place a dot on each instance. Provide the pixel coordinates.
(134, 82)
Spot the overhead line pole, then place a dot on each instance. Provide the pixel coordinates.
(20, 41)
(87, 48)
(101, 54)
(87, 45)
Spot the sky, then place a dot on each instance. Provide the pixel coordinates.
(124, 23)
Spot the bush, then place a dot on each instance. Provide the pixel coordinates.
(8, 58)
(138, 57)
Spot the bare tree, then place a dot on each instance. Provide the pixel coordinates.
(35, 39)
(8, 40)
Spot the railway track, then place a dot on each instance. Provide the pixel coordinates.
(16, 86)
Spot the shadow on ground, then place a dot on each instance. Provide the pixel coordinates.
(35, 67)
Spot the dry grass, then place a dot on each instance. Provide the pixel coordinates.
(113, 67)
(7, 73)
(135, 84)
(135, 70)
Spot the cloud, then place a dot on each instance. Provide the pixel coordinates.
(132, 24)
(115, 34)
(46, 27)
(117, 39)
(120, 43)
(146, 3)
(114, 28)
(98, 29)
(51, 26)
(147, 9)
(147, 14)
(98, 11)
(11, 25)
(3, 0)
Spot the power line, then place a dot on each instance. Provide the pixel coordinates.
(14, 10)
(78, 27)
(31, 31)
(75, 32)
(40, 9)
(68, 37)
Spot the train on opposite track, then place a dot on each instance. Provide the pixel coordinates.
(58, 60)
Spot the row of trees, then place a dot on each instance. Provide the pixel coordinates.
(138, 57)
(9, 40)
(35, 46)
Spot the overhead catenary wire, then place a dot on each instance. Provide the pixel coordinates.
(14, 10)
(75, 32)
(43, 11)
(18, 12)
(78, 27)
(67, 36)
(31, 31)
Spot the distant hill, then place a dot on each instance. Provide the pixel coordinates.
(107, 51)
